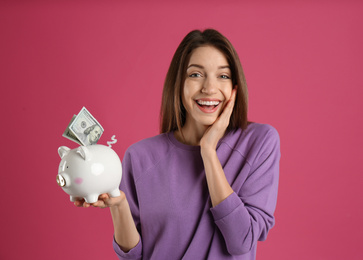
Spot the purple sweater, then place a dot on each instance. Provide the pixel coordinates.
(166, 188)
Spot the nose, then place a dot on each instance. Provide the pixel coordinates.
(61, 181)
(209, 86)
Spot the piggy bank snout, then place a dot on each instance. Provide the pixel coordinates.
(62, 180)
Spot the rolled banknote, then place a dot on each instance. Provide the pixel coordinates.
(84, 129)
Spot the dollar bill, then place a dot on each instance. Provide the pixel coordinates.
(68, 134)
(84, 129)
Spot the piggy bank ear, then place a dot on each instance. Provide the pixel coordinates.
(63, 151)
(84, 152)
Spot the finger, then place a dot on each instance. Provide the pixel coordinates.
(98, 204)
(104, 196)
(232, 99)
(86, 205)
(79, 203)
(228, 109)
(103, 201)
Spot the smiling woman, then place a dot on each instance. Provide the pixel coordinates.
(206, 187)
(207, 88)
(173, 113)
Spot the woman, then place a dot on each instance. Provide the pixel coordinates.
(206, 187)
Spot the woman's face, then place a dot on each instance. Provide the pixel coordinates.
(207, 87)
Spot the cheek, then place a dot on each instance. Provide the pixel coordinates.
(187, 97)
(227, 91)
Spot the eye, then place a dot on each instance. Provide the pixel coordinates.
(195, 75)
(225, 77)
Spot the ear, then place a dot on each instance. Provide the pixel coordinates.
(63, 151)
(84, 152)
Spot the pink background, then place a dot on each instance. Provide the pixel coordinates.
(303, 63)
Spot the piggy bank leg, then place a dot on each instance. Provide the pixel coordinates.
(73, 199)
(115, 193)
(91, 198)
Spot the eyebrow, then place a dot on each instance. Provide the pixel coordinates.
(201, 67)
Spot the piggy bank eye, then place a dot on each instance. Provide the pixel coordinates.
(63, 165)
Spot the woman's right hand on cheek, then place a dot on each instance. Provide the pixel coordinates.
(104, 201)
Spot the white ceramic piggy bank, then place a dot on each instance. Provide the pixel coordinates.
(88, 171)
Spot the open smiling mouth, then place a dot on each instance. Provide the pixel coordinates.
(208, 106)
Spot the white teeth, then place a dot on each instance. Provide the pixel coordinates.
(207, 103)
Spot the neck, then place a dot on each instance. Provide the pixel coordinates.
(191, 134)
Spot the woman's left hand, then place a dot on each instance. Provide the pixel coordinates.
(216, 131)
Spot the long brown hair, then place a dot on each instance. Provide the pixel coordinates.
(172, 113)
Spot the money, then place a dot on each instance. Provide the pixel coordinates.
(68, 134)
(83, 129)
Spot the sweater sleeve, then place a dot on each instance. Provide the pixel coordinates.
(128, 186)
(134, 253)
(246, 215)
